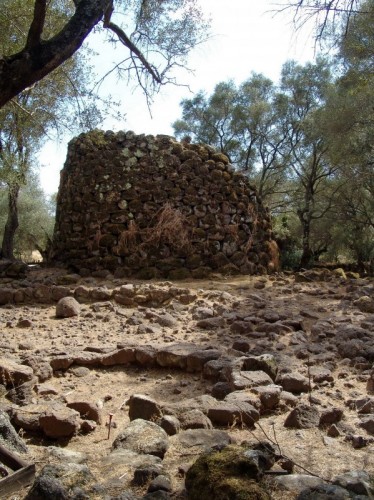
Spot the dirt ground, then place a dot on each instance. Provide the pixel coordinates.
(108, 325)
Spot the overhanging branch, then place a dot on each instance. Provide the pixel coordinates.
(125, 40)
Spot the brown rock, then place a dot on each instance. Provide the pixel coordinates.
(121, 357)
(175, 355)
(14, 374)
(144, 407)
(246, 379)
(367, 423)
(59, 422)
(87, 410)
(27, 417)
(269, 397)
(303, 417)
(6, 296)
(331, 416)
(233, 414)
(294, 382)
(197, 359)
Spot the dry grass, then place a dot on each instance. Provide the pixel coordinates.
(171, 228)
(168, 227)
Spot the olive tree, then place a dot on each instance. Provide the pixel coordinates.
(156, 36)
(61, 100)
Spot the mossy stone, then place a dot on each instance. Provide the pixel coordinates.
(228, 474)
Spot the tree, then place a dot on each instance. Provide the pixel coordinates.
(326, 14)
(60, 101)
(348, 122)
(159, 38)
(242, 123)
(305, 90)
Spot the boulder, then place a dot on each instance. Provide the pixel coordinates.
(246, 379)
(197, 359)
(12, 374)
(143, 437)
(293, 382)
(202, 439)
(233, 414)
(175, 355)
(264, 362)
(194, 419)
(367, 423)
(67, 307)
(143, 407)
(229, 473)
(269, 397)
(59, 422)
(87, 410)
(62, 482)
(303, 417)
(9, 436)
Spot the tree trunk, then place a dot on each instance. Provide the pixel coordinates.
(7, 247)
(307, 254)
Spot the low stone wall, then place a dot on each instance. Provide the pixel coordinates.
(152, 207)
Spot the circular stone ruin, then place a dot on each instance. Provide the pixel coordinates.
(152, 207)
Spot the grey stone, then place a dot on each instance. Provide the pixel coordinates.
(202, 438)
(67, 455)
(296, 483)
(121, 458)
(142, 436)
(62, 482)
(324, 492)
(67, 307)
(9, 436)
(144, 474)
(160, 482)
(357, 481)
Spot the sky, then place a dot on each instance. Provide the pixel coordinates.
(246, 36)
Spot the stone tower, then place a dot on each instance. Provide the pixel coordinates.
(152, 207)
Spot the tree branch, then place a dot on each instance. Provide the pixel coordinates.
(37, 25)
(131, 46)
(20, 71)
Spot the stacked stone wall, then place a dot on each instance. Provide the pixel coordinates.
(152, 207)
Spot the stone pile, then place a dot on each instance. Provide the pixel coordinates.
(152, 207)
